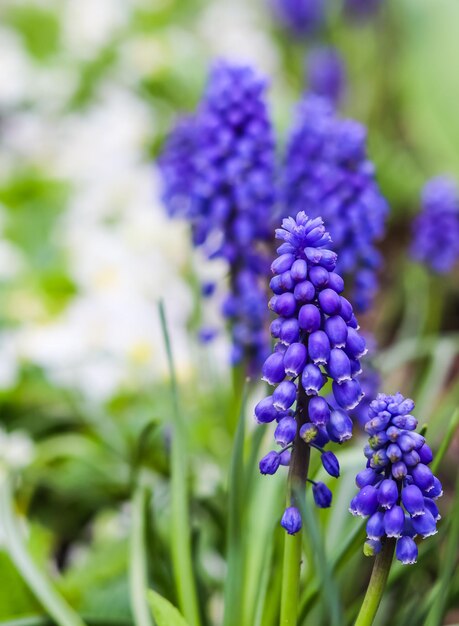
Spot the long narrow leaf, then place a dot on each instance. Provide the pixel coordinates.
(180, 523)
(138, 575)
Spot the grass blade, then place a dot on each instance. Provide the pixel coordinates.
(180, 523)
(234, 577)
(138, 575)
(316, 545)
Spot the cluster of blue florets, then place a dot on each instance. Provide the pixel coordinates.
(317, 341)
(327, 170)
(397, 489)
(436, 229)
(218, 171)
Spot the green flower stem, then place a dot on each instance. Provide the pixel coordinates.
(298, 473)
(180, 523)
(138, 571)
(53, 603)
(376, 585)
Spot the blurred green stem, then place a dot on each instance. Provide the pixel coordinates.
(376, 585)
(138, 572)
(180, 522)
(299, 465)
(53, 603)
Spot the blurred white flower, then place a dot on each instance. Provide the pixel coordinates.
(16, 449)
(15, 69)
(233, 29)
(88, 25)
(9, 358)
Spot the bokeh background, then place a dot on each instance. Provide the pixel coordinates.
(88, 91)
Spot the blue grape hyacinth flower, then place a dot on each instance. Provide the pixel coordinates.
(218, 171)
(317, 341)
(436, 229)
(327, 170)
(397, 488)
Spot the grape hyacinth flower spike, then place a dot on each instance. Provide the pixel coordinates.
(436, 229)
(327, 169)
(218, 172)
(397, 488)
(317, 341)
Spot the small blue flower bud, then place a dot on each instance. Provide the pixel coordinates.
(284, 395)
(304, 292)
(291, 520)
(275, 327)
(394, 453)
(375, 525)
(309, 318)
(285, 431)
(295, 359)
(379, 459)
(339, 426)
(285, 457)
(393, 433)
(322, 495)
(299, 270)
(407, 422)
(275, 284)
(322, 437)
(399, 470)
(367, 501)
(318, 276)
(330, 301)
(330, 463)
(437, 489)
(346, 310)
(425, 454)
(348, 393)
(378, 440)
(290, 331)
(308, 432)
(319, 347)
(336, 329)
(312, 379)
(406, 551)
(282, 263)
(335, 282)
(273, 369)
(355, 344)
(408, 530)
(378, 423)
(430, 506)
(405, 442)
(366, 477)
(411, 458)
(318, 411)
(387, 493)
(372, 547)
(269, 464)
(425, 525)
(413, 500)
(284, 305)
(286, 281)
(394, 520)
(423, 477)
(356, 368)
(418, 439)
(265, 411)
(339, 366)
